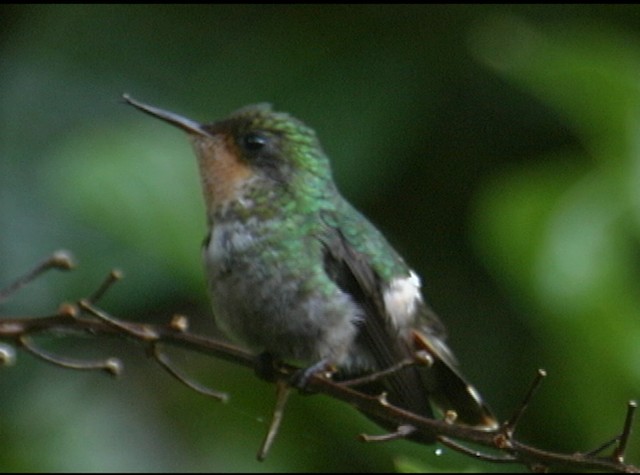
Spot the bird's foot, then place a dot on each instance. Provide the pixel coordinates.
(267, 366)
(300, 379)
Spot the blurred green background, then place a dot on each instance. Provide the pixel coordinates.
(497, 147)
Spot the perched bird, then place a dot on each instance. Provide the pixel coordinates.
(297, 273)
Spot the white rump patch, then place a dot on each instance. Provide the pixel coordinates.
(401, 299)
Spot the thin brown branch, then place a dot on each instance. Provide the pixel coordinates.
(142, 332)
(62, 260)
(618, 453)
(604, 446)
(510, 425)
(85, 318)
(283, 391)
(402, 432)
(112, 366)
(477, 454)
(15, 330)
(114, 276)
(164, 361)
(373, 377)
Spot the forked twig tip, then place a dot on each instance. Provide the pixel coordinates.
(113, 366)
(7, 355)
(179, 323)
(68, 310)
(62, 260)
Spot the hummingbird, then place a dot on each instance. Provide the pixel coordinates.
(295, 272)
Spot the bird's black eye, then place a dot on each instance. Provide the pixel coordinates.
(254, 141)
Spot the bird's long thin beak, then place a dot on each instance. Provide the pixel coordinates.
(185, 124)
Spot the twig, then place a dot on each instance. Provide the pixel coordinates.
(373, 377)
(114, 276)
(618, 453)
(112, 366)
(283, 391)
(166, 363)
(477, 454)
(61, 260)
(402, 432)
(604, 446)
(509, 426)
(142, 332)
